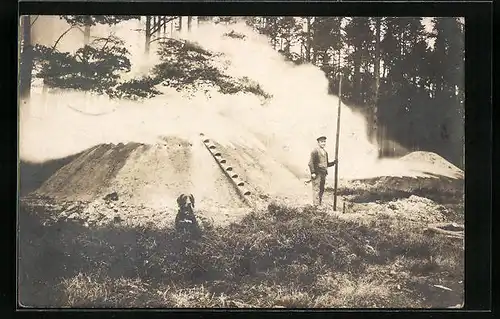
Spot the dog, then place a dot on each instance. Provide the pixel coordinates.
(185, 221)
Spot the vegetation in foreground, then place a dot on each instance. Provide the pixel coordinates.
(283, 257)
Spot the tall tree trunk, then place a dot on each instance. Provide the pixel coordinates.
(377, 80)
(26, 62)
(326, 58)
(308, 40)
(287, 46)
(357, 72)
(340, 61)
(189, 22)
(148, 33)
(274, 35)
(86, 32)
(180, 23)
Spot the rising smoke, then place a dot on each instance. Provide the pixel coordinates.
(285, 126)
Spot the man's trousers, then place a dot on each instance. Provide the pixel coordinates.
(318, 186)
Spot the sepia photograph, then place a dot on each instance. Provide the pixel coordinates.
(240, 162)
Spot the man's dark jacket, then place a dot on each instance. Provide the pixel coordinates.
(317, 162)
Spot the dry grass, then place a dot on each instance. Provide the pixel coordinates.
(282, 257)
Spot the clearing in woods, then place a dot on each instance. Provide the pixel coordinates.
(98, 233)
(96, 227)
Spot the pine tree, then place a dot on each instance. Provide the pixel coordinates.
(88, 21)
(374, 120)
(288, 30)
(448, 56)
(359, 36)
(306, 39)
(95, 67)
(326, 42)
(26, 58)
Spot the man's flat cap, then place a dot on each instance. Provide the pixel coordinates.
(321, 138)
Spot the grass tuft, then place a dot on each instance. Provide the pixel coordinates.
(281, 257)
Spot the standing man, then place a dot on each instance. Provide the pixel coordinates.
(318, 165)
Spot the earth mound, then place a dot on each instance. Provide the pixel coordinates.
(138, 184)
(433, 165)
(141, 174)
(435, 194)
(129, 182)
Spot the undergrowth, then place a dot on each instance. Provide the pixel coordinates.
(282, 257)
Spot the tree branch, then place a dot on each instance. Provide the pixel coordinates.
(61, 36)
(32, 23)
(105, 44)
(167, 38)
(161, 24)
(79, 29)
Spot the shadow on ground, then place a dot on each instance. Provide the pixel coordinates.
(33, 175)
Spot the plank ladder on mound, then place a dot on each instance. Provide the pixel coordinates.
(228, 171)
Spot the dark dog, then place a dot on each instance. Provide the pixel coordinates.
(185, 221)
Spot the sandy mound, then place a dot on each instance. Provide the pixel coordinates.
(269, 178)
(143, 175)
(90, 174)
(137, 184)
(432, 164)
(155, 175)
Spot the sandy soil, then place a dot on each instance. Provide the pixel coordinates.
(145, 181)
(431, 163)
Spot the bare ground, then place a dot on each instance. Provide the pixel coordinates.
(100, 242)
(279, 257)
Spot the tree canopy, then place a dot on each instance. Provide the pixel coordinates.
(408, 79)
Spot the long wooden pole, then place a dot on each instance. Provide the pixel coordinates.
(337, 147)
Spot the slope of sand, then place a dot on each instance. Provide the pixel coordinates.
(432, 164)
(147, 180)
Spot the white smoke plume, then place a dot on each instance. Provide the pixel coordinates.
(286, 126)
